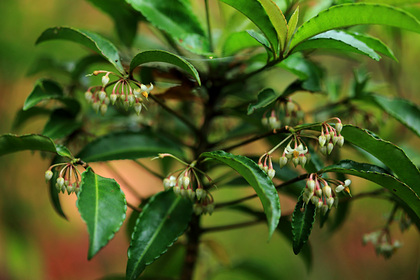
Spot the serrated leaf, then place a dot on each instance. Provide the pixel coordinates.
(339, 40)
(292, 24)
(375, 44)
(239, 41)
(403, 110)
(265, 98)
(125, 18)
(166, 57)
(381, 177)
(11, 143)
(161, 222)
(61, 124)
(345, 15)
(258, 179)
(32, 113)
(302, 222)
(102, 205)
(86, 38)
(254, 10)
(128, 145)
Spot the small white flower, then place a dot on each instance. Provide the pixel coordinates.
(105, 80)
(102, 95)
(271, 173)
(48, 175)
(282, 161)
(339, 188)
(338, 127)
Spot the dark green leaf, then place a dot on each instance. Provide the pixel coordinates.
(339, 40)
(128, 145)
(403, 110)
(47, 64)
(302, 222)
(375, 44)
(86, 38)
(10, 143)
(258, 179)
(43, 90)
(381, 177)
(29, 114)
(161, 222)
(82, 65)
(166, 57)
(54, 194)
(125, 18)
(340, 16)
(102, 205)
(265, 98)
(254, 10)
(61, 124)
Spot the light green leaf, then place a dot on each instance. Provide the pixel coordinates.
(259, 38)
(392, 2)
(254, 10)
(162, 221)
(303, 219)
(278, 20)
(337, 40)
(403, 110)
(128, 145)
(345, 15)
(61, 124)
(378, 175)
(258, 179)
(166, 57)
(239, 41)
(265, 98)
(86, 38)
(10, 143)
(375, 44)
(292, 24)
(102, 205)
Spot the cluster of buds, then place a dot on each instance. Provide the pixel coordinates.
(330, 136)
(318, 192)
(299, 154)
(122, 93)
(381, 240)
(286, 112)
(68, 176)
(266, 164)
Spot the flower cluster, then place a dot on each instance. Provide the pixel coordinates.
(318, 192)
(330, 136)
(122, 93)
(266, 164)
(286, 112)
(188, 185)
(299, 154)
(381, 240)
(68, 177)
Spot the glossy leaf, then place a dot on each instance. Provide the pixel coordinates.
(403, 110)
(259, 37)
(166, 57)
(86, 38)
(292, 24)
(239, 41)
(265, 98)
(61, 124)
(254, 10)
(302, 222)
(381, 177)
(43, 90)
(258, 179)
(375, 44)
(102, 205)
(306, 70)
(10, 143)
(339, 40)
(159, 225)
(125, 18)
(278, 20)
(345, 15)
(80, 69)
(128, 145)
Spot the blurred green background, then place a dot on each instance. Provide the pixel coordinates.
(35, 243)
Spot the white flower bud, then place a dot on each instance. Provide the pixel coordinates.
(338, 127)
(198, 209)
(137, 93)
(209, 208)
(48, 175)
(347, 182)
(172, 179)
(88, 95)
(327, 191)
(60, 182)
(101, 95)
(166, 184)
(314, 200)
(185, 181)
(302, 160)
(318, 192)
(319, 204)
(340, 141)
(330, 147)
(264, 121)
(200, 193)
(137, 108)
(96, 106)
(183, 192)
(330, 202)
(113, 98)
(131, 99)
(290, 106)
(327, 136)
(191, 194)
(307, 196)
(105, 80)
(323, 150)
(324, 209)
(335, 139)
(282, 161)
(339, 188)
(310, 184)
(272, 121)
(271, 173)
(295, 161)
(177, 190)
(265, 168)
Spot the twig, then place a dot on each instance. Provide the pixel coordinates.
(134, 207)
(229, 227)
(250, 140)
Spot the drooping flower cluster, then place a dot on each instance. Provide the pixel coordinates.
(330, 136)
(266, 164)
(318, 192)
(381, 240)
(299, 154)
(122, 93)
(69, 177)
(285, 112)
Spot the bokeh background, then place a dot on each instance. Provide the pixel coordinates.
(35, 243)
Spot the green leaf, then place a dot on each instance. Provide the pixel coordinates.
(83, 64)
(345, 15)
(86, 38)
(102, 205)
(10, 143)
(176, 18)
(258, 179)
(161, 222)
(254, 10)
(381, 177)
(259, 38)
(292, 24)
(43, 90)
(128, 145)
(29, 114)
(61, 124)
(339, 40)
(375, 44)
(166, 57)
(302, 222)
(278, 20)
(125, 18)
(239, 41)
(265, 98)
(403, 110)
